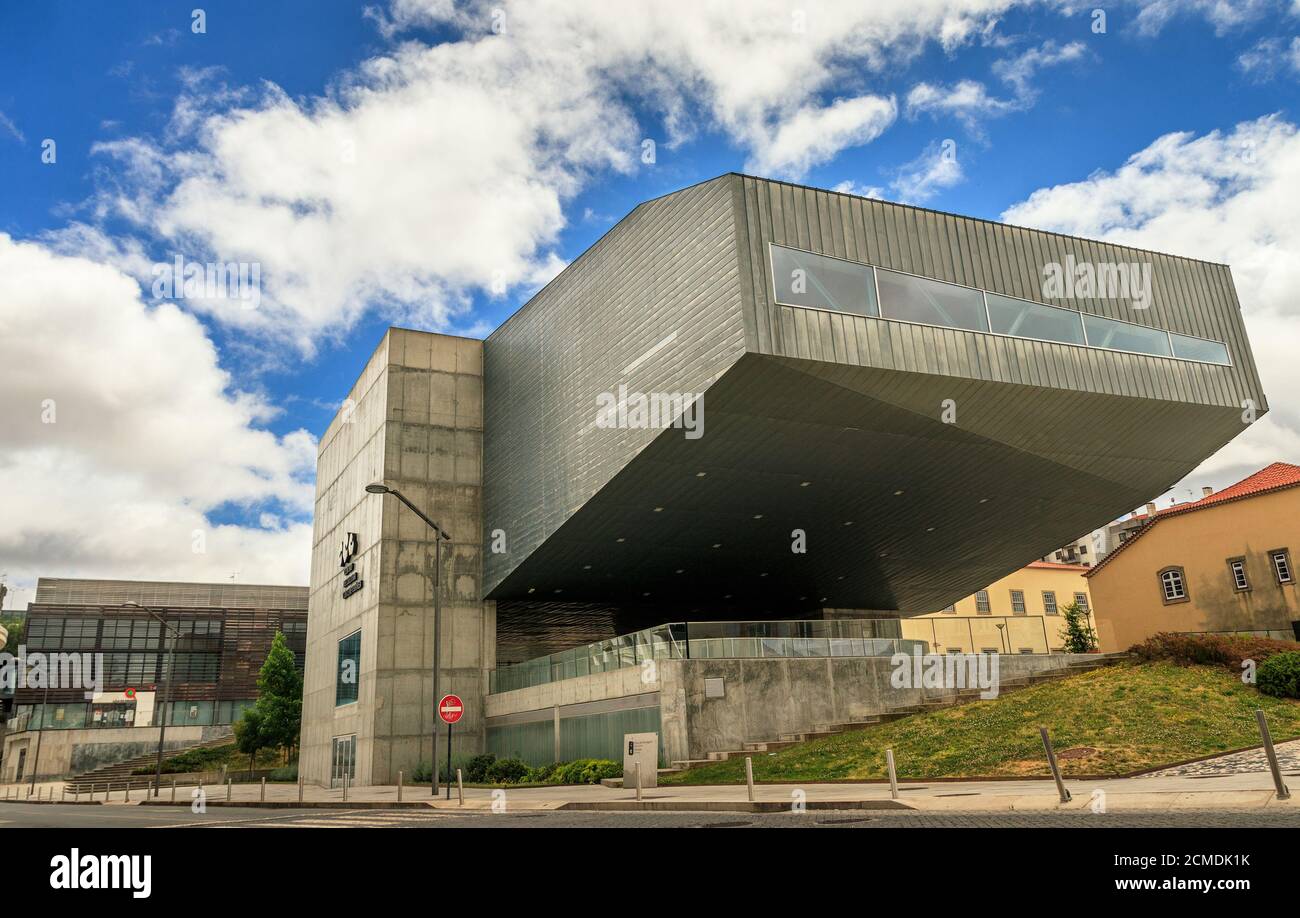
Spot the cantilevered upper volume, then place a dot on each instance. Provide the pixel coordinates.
(895, 406)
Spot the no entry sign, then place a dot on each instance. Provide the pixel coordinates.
(450, 709)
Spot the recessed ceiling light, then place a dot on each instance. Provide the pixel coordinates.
(559, 591)
(717, 544)
(681, 570)
(929, 529)
(985, 500)
(728, 596)
(758, 516)
(700, 474)
(898, 493)
(586, 567)
(532, 589)
(764, 574)
(848, 522)
(659, 509)
(840, 577)
(804, 484)
(645, 594)
(620, 539)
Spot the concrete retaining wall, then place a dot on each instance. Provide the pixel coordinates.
(764, 698)
(64, 753)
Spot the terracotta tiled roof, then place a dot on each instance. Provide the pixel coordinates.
(1276, 477)
(1057, 566)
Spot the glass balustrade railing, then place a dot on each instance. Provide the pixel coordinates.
(711, 641)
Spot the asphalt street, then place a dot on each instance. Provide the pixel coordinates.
(47, 816)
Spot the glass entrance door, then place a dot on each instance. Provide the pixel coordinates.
(343, 760)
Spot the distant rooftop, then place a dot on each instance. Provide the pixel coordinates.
(1275, 477)
(64, 591)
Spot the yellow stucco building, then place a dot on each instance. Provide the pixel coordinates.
(1221, 564)
(1021, 613)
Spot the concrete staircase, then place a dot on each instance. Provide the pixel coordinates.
(895, 712)
(119, 774)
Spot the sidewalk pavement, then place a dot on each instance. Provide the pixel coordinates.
(1240, 792)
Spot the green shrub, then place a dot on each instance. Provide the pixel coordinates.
(541, 774)
(1279, 675)
(284, 773)
(203, 758)
(476, 769)
(422, 773)
(506, 771)
(1227, 651)
(585, 771)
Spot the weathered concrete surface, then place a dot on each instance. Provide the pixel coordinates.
(414, 420)
(764, 698)
(71, 752)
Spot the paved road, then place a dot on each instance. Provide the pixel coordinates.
(19, 815)
(1236, 763)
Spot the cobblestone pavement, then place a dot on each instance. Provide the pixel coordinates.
(1288, 757)
(846, 819)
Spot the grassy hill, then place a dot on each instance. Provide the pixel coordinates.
(1114, 720)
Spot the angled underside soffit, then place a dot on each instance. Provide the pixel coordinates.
(824, 449)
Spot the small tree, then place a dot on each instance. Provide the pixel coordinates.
(279, 696)
(1078, 633)
(250, 737)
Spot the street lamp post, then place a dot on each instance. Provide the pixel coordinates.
(170, 634)
(45, 713)
(439, 536)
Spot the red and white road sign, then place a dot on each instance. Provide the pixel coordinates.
(451, 709)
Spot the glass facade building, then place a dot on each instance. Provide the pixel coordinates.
(210, 656)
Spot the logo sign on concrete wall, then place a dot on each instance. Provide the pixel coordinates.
(352, 582)
(451, 709)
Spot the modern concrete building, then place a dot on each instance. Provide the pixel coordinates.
(1220, 564)
(75, 628)
(748, 402)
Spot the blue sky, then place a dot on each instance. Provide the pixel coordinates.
(225, 144)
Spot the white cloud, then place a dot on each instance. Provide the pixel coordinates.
(7, 126)
(848, 186)
(970, 102)
(815, 135)
(1227, 197)
(935, 169)
(1224, 15)
(432, 173)
(146, 438)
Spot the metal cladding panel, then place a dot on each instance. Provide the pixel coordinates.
(823, 423)
(655, 305)
(1188, 297)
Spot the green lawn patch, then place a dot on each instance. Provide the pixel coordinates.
(1109, 721)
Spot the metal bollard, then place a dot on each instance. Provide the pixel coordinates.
(126, 795)
(300, 787)
(460, 788)
(1056, 771)
(400, 777)
(173, 790)
(749, 777)
(262, 799)
(893, 775)
(63, 794)
(345, 787)
(230, 788)
(1283, 793)
(637, 770)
